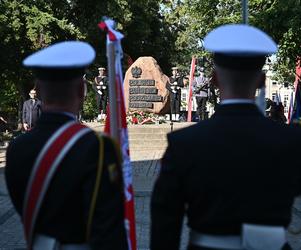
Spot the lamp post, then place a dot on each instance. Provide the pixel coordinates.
(245, 11)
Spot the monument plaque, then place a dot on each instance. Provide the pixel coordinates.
(144, 87)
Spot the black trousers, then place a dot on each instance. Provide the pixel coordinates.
(175, 103)
(102, 101)
(201, 109)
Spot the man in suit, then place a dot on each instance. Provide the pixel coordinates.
(100, 87)
(64, 179)
(174, 87)
(31, 111)
(239, 196)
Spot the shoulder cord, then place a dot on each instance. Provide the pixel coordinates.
(98, 179)
(97, 185)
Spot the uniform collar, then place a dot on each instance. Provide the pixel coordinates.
(55, 118)
(237, 109)
(237, 101)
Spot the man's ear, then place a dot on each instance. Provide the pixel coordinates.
(261, 82)
(214, 79)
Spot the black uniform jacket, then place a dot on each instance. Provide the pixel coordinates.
(180, 84)
(65, 210)
(104, 79)
(237, 167)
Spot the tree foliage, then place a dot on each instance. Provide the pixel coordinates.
(170, 31)
(28, 25)
(25, 27)
(191, 20)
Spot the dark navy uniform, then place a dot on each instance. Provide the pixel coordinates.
(174, 87)
(235, 175)
(72, 214)
(101, 90)
(247, 174)
(65, 210)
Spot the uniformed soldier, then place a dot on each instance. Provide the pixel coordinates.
(101, 89)
(201, 89)
(239, 195)
(174, 87)
(64, 179)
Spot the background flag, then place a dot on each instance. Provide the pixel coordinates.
(191, 76)
(115, 37)
(296, 114)
(290, 110)
(297, 104)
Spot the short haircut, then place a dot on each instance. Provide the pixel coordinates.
(239, 80)
(59, 92)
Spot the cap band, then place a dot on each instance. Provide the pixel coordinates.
(58, 74)
(239, 62)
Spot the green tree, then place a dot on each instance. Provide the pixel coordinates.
(25, 27)
(28, 25)
(191, 20)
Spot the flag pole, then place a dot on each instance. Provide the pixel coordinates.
(260, 100)
(116, 125)
(112, 91)
(192, 69)
(245, 11)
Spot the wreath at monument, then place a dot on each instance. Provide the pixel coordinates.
(140, 118)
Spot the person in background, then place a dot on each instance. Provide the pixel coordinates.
(31, 111)
(174, 87)
(277, 112)
(100, 87)
(200, 90)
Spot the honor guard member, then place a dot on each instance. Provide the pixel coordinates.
(101, 89)
(201, 89)
(174, 87)
(240, 195)
(64, 179)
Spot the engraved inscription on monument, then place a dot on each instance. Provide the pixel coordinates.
(145, 87)
(142, 92)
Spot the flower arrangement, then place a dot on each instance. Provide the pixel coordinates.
(140, 117)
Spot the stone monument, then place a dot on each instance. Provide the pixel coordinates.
(145, 87)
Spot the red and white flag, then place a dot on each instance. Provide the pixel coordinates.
(291, 108)
(115, 37)
(191, 76)
(298, 73)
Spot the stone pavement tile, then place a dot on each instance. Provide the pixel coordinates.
(143, 224)
(294, 229)
(11, 236)
(3, 189)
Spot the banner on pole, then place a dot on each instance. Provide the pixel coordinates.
(191, 77)
(115, 37)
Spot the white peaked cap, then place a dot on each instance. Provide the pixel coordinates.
(239, 39)
(68, 54)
